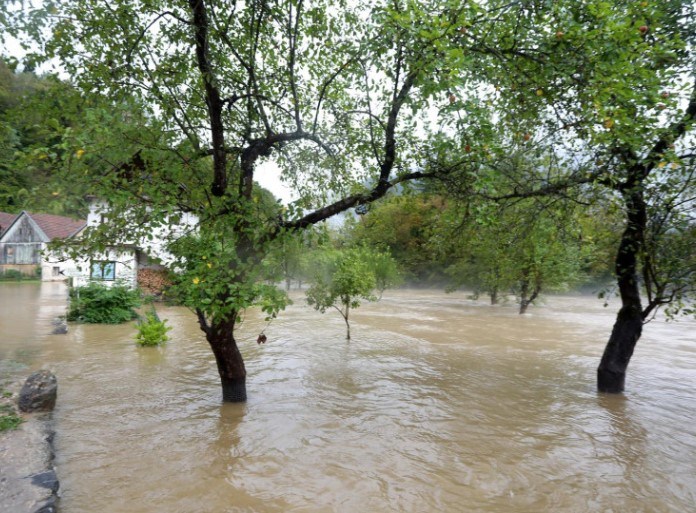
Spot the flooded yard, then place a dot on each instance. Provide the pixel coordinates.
(438, 403)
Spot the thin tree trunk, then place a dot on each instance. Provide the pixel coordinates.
(347, 323)
(611, 373)
(524, 304)
(526, 301)
(494, 296)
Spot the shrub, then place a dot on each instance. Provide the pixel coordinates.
(8, 418)
(98, 304)
(11, 275)
(152, 331)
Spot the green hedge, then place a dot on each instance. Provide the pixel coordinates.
(97, 304)
(15, 275)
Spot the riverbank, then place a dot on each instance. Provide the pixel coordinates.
(28, 480)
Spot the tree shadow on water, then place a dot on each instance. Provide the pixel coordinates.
(627, 438)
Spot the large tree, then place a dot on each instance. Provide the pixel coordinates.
(635, 105)
(623, 120)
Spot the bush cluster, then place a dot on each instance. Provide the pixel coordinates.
(98, 304)
(15, 275)
(152, 331)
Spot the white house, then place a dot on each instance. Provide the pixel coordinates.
(135, 263)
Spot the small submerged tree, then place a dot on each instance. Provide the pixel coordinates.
(347, 278)
(525, 246)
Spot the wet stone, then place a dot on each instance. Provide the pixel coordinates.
(47, 479)
(49, 507)
(60, 326)
(60, 330)
(39, 392)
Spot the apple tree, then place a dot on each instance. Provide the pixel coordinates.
(623, 121)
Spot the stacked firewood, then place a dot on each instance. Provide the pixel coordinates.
(152, 281)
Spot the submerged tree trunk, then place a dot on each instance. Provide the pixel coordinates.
(524, 303)
(611, 373)
(526, 298)
(494, 296)
(347, 323)
(229, 360)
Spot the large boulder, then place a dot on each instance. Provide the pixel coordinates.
(39, 392)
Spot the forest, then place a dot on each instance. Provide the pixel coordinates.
(510, 149)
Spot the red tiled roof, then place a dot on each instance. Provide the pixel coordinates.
(55, 227)
(6, 220)
(58, 227)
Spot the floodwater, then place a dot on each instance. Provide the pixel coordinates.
(438, 404)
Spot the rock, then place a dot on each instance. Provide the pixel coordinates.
(47, 479)
(61, 329)
(39, 392)
(60, 326)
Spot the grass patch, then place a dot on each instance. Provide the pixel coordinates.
(9, 418)
(8, 415)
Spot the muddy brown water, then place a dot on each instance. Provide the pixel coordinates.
(438, 404)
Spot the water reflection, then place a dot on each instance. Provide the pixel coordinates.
(229, 439)
(628, 438)
(437, 404)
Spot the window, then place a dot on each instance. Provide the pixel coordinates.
(103, 270)
(55, 272)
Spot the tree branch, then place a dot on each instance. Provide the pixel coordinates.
(212, 96)
(351, 201)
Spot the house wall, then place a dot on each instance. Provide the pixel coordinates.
(20, 253)
(156, 247)
(80, 271)
(127, 260)
(54, 268)
(22, 244)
